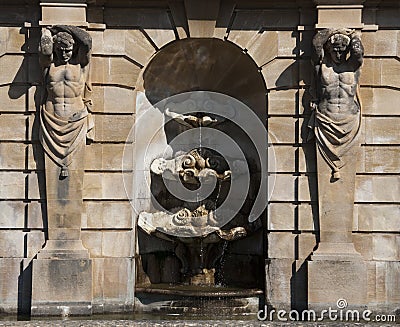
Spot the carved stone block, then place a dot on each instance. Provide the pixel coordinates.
(61, 287)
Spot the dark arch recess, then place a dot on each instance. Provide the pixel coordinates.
(208, 65)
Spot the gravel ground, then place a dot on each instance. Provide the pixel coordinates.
(177, 323)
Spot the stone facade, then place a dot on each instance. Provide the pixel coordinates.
(127, 36)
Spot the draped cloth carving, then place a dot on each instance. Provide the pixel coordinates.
(334, 137)
(336, 106)
(61, 137)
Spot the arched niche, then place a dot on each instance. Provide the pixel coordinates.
(203, 64)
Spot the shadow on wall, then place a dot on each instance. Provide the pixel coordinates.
(28, 76)
(298, 76)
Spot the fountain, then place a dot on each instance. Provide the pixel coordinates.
(194, 234)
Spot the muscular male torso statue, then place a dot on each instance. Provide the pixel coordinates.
(65, 89)
(336, 116)
(338, 81)
(65, 118)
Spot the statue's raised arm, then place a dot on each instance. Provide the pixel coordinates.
(82, 41)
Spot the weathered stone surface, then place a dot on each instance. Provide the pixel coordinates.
(292, 159)
(12, 185)
(74, 277)
(13, 127)
(138, 47)
(262, 47)
(378, 218)
(12, 98)
(132, 35)
(284, 280)
(382, 130)
(109, 157)
(287, 43)
(122, 248)
(371, 72)
(98, 280)
(281, 73)
(125, 103)
(283, 129)
(386, 247)
(107, 215)
(115, 70)
(13, 68)
(121, 72)
(74, 14)
(12, 214)
(282, 102)
(12, 244)
(290, 245)
(9, 271)
(308, 217)
(12, 155)
(363, 244)
(281, 216)
(36, 214)
(278, 275)
(97, 41)
(294, 188)
(380, 43)
(3, 40)
(329, 281)
(113, 128)
(118, 279)
(92, 186)
(92, 240)
(35, 185)
(34, 154)
(377, 188)
(331, 16)
(114, 41)
(383, 72)
(387, 282)
(390, 72)
(35, 242)
(379, 101)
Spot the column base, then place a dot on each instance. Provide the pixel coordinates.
(61, 287)
(337, 252)
(331, 280)
(63, 249)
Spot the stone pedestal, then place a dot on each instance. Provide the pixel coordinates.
(335, 279)
(337, 270)
(61, 287)
(62, 272)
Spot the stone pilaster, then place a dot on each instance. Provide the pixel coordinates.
(336, 270)
(62, 272)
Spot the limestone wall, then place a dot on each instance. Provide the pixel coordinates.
(125, 37)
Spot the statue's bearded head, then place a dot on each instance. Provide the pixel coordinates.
(64, 46)
(338, 47)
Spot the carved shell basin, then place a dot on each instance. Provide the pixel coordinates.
(195, 167)
(183, 223)
(187, 224)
